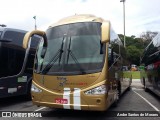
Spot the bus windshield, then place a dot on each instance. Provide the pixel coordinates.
(72, 49)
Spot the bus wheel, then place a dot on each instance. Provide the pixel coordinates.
(117, 96)
(119, 90)
(145, 89)
(144, 82)
(129, 88)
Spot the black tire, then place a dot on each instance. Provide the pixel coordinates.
(119, 89)
(145, 89)
(144, 83)
(115, 104)
(129, 88)
(117, 95)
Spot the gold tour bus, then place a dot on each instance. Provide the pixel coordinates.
(78, 65)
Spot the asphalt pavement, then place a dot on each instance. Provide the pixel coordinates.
(135, 104)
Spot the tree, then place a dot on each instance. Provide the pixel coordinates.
(135, 46)
(148, 35)
(133, 54)
(138, 42)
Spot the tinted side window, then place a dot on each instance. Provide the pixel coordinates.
(12, 53)
(150, 55)
(16, 37)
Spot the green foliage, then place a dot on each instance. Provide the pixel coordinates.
(133, 54)
(135, 46)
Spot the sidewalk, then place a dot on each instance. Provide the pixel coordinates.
(136, 83)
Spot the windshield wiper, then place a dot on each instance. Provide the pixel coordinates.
(54, 59)
(74, 58)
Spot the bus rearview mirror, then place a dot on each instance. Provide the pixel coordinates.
(105, 32)
(28, 35)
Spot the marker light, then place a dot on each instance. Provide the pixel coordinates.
(35, 89)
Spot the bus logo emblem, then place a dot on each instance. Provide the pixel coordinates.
(63, 81)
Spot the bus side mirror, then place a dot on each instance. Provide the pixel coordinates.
(43, 52)
(105, 32)
(28, 36)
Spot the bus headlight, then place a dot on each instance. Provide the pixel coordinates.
(97, 91)
(35, 89)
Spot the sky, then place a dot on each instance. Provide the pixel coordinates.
(140, 15)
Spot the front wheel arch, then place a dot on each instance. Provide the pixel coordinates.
(118, 93)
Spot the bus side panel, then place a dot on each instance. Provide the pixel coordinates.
(13, 81)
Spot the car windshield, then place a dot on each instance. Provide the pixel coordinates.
(80, 46)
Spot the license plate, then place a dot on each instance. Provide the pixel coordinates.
(61, 101)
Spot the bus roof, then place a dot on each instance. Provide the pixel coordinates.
(12, 29)
(77, 18)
